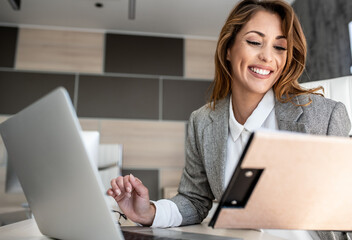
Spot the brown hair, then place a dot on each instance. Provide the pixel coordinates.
(287, 86)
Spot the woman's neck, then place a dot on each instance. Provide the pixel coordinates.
(243, 105)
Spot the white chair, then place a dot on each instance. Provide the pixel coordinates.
(338, 89)
(109, 162)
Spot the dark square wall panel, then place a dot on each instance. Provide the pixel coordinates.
(8, 41)
(20, 89)
(117, 97)
(182, 97)
(144, 55)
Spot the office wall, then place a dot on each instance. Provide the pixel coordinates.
(66, 51)
(135, 90)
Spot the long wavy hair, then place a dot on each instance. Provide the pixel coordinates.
(287, 86)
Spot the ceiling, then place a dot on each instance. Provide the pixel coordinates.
(185, 18)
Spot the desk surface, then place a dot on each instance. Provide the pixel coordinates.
(28, 230)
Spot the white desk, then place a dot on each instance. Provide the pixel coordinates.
(28, 230)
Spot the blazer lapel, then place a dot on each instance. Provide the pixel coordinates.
(288, 115)
(216, 133)
(215, 142)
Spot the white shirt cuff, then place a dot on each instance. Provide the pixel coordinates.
(166, 214)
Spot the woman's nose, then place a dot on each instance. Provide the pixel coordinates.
(265, 55)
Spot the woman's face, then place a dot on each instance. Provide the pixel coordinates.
(258, 54)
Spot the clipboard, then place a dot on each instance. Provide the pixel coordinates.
(288, 180)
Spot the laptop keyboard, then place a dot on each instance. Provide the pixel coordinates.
(141, 236)
(165, 234)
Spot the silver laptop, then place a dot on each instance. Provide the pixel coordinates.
(59, 177)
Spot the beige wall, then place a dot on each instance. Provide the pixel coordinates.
(55, 50)
(71, 51)
(147, 144)
(199, 59)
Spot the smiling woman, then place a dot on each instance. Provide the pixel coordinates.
(257, 58)
(291, 41)
(261, 52)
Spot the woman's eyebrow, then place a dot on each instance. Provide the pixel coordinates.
(263, 35)
(281, 37)
(259, 33)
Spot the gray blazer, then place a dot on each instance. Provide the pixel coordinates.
(203, 176)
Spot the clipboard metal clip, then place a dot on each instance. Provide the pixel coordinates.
(242, 185)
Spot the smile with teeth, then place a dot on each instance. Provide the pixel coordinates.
(260, 71)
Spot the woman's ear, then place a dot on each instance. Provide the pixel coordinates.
(228, 55)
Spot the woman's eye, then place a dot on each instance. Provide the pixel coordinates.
(253, 43)
(280, 48)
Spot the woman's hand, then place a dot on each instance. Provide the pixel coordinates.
(133, 199)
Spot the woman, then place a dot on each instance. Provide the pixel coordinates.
(260, 55)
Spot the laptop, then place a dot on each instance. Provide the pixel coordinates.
(60, 178)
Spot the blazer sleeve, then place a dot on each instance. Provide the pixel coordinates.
(194, 198)
(339, 122)
(339, 125)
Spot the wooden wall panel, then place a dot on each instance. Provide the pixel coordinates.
(55, 50)
(147, 144)
(170, 177)
(199, 58)
(89, 124)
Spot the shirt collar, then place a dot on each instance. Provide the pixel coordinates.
(256, 119)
